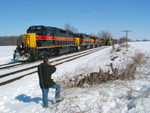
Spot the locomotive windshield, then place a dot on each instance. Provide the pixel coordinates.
(39, 30)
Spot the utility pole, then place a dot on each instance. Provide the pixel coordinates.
(126, 38)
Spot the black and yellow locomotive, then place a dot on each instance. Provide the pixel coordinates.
(45, 41)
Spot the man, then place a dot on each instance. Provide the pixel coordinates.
(45, 70)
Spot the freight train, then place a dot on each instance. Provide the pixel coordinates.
(44, 41)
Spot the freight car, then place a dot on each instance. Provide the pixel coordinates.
(45, 41)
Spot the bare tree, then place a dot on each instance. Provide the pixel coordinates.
(71, 28)
(67, 26)
(105, 35)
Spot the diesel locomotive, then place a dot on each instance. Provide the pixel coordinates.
(44, 41)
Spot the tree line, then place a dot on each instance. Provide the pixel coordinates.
(8, 40)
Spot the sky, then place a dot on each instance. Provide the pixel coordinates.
(88, 16)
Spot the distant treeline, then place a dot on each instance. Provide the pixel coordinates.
(8, 40)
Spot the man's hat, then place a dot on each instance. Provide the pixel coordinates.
(45, 60)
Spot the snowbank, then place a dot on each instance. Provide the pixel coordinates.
(117, 96)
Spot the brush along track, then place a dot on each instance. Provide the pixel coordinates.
(33, 69)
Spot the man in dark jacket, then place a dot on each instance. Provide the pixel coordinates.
(45, 70)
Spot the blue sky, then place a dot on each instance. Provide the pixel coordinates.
(88, 16)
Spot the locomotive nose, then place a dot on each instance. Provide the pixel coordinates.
(29, 40)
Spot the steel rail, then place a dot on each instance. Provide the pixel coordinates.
(17, 78)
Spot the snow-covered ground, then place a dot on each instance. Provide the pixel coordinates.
(6, 54)
(24, 95)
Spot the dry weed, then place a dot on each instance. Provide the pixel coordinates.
(114, 73)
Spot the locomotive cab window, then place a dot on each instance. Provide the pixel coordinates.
(39, 30)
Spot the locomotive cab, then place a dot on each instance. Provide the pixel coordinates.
(26, 45)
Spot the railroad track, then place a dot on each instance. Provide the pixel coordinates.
(24, 70)
(15, 64)
(8, 65)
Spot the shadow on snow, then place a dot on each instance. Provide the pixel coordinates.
(27, 99)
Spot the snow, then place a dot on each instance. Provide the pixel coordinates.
(6, 54)
(119, 96)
